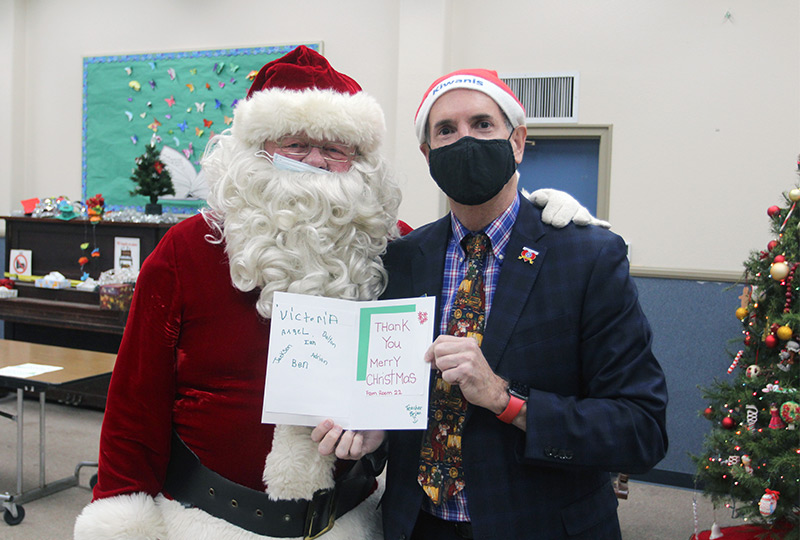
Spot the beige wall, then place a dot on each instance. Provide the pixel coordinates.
(705, 109)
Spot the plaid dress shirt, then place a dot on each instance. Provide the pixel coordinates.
(498, 231)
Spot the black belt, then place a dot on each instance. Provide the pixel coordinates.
(192, 483)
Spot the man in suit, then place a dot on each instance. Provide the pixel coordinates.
(560, 386)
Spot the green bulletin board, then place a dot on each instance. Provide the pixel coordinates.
(178, 99)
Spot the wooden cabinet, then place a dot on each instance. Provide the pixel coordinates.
(68, 317)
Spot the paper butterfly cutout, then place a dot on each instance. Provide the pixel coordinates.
(188, 183)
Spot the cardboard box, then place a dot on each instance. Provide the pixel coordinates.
(49, 283)
(116, 296)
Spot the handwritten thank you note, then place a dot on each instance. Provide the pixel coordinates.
(359, 363)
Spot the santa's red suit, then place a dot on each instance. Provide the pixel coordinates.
(193, 357)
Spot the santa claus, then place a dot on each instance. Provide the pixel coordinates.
(301, 201)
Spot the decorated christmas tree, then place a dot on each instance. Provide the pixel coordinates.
(151, 177)
(751, 457)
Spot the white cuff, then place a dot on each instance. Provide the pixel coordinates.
(134, 516)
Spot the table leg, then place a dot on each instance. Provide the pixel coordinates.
(20, 408)
(41, 439)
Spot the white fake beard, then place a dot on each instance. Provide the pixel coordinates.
(307, 233)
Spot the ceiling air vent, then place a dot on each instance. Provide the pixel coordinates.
(547, 97)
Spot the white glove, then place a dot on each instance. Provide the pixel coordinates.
(559, 208)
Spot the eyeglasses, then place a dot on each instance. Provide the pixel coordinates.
(300, 147)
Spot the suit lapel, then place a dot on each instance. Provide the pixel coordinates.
(517, 276)
(427, 268)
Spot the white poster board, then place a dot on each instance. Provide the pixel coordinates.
(358, 363)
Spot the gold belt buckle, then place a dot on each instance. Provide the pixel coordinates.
(310, 517)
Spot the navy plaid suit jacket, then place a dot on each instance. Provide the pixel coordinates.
(570, 326)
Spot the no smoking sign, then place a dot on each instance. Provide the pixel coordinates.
(20, 262)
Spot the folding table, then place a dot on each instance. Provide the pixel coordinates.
(74, 366)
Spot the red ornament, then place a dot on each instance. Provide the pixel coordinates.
(779, 258)
(772, 245)
(773, 211)
(708, 412)
(771, 341)
(728, 423)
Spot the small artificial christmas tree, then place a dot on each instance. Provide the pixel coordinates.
(152, 178)
(751, 457)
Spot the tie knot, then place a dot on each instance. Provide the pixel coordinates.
(476, 245)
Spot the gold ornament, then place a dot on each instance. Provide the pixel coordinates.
(779, 270)
(794, 195)
(741, 313)
(785, 333)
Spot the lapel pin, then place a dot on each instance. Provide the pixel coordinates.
(528, 255)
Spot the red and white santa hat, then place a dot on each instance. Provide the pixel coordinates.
(482, 80)
(301, 93)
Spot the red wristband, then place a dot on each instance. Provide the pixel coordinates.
(512, 409)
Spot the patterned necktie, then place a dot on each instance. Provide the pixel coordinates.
(440, 472)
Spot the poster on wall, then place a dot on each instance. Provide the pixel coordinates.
(177, 100)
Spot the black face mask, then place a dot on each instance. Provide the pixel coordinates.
(471, 171)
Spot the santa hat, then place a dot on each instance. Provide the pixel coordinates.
(482, 80)
(301, 93)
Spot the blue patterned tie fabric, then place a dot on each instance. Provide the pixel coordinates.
(440, 472)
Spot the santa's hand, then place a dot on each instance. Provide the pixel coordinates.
(462, 363)
(559, 208)
(346, 444)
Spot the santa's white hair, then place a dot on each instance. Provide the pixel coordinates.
(307, 233)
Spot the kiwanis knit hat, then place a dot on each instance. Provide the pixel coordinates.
(482, 80)
(301, 93)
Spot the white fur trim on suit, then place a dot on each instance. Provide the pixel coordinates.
(355, 119)
(139, 517)
(125, 517)
(295, 469)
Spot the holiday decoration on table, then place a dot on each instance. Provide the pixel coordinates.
(152, 178)
(751, 456)
(95, 207)
(7, 289)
